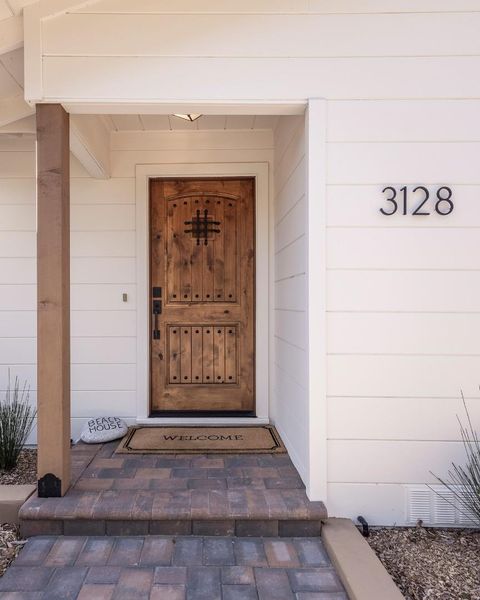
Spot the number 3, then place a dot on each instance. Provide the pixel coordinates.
(392, 200)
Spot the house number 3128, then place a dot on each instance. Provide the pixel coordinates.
(425, 201)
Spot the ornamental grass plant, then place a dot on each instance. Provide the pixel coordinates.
(16, 421)
(464, 481)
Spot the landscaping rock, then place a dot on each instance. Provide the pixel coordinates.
(103, 429)
(24, 473)
(428, 563)
(10, 545)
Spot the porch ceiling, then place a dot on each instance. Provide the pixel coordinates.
(10, 8)
(114, 123)
(205, 122)
(11, 73)
(12, 104)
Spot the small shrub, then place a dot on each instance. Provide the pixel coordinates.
(464, 482)
(16, 422)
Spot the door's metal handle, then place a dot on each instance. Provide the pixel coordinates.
(156, 330)
(157, 310)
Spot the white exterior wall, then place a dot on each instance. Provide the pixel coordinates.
(290, 392)
(103, 259)
(17, 262)
(403, 300)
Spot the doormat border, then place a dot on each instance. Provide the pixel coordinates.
(277, 444)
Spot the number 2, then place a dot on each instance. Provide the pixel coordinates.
(427, 196)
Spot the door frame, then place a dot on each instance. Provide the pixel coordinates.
(260, 172)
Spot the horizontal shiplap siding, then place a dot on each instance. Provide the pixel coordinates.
(290, 377)
(281, 35)
(244, 79)
(403, 299)
(102, 268)
(17, 262)
(343, 50)
(103, 262)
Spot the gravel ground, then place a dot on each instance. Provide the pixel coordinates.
(431, 564)
(24, 472)
(9, 545)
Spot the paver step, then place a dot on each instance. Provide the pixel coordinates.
(241, 495)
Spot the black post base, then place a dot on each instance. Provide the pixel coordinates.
(49, 486)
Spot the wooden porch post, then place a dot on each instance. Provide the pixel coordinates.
(53, 297)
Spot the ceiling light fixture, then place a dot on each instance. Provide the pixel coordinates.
(190, 117)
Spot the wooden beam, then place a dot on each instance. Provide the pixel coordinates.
(11, 34)
(14, 108)
(53, 284)
(90, 144)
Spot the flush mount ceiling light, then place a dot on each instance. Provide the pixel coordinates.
(190, 118)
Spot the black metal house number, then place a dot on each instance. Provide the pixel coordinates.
(398, 198)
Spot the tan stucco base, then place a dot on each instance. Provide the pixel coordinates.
(362, 574)
(11, 499)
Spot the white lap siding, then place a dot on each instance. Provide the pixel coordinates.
(290, 408)
(102, 249)
(17, 262)
(256, 50)
(403, 300)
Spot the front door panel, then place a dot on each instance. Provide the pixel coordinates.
(202, 264)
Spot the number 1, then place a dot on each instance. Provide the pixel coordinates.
(404, 190)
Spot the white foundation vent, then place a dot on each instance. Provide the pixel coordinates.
(436, 506)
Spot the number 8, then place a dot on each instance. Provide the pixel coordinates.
(447, 200)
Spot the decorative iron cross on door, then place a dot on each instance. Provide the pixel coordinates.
(202, 227)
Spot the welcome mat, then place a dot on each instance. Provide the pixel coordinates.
(200, 440)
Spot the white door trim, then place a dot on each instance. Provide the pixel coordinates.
(260, 171)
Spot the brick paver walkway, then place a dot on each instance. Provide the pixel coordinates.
(118, 494)
(166, 568)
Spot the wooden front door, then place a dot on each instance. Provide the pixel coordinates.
(202, 294)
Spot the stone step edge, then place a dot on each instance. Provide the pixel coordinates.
(62, 510)
(202, 527)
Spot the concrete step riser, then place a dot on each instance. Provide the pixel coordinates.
(239, 527)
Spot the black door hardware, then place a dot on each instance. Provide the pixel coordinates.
(156, 310)
(202, 227)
